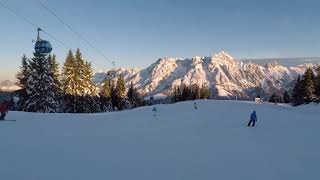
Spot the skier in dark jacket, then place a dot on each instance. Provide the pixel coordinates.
(195, 105)
(253, 119)
(3, 110)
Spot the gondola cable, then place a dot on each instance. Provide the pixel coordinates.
(74, 31)
(31, 23)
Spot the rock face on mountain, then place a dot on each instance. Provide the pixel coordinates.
(226, 76)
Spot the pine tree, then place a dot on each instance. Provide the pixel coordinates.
(308, 88)
(275, 98)
(22, 77)
(105, 95)
(195, 92)
(41, 88)
(176, 94)
(69, 75)
(297, 93)
(55, 71)
(205, 92)
(106, 88)
(23, 74)
(286, 97)
(114, 97)
(185, 93)
(81, 93)
(121, 88)
(317, 84)
(134, 97)
(130, 93)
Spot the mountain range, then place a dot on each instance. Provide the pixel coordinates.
(8, 86)
(227, 77)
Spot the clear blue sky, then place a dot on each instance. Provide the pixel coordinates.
(137, 32)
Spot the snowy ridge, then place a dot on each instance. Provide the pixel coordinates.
(226, 76)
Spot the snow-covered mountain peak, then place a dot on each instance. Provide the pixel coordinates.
(222, 58)
(223, 55)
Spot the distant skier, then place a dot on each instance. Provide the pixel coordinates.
(154, 110)
(253, 119)
(3, 110)
(195, 105)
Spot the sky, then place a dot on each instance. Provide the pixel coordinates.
(135, 33)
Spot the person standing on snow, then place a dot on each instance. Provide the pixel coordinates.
(253, 119)
(154, 110)
(195, 105)
(3, 110)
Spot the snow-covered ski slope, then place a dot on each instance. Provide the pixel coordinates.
(181, 143)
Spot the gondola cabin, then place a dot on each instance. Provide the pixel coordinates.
(42, 46)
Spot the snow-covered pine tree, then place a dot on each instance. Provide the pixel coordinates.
(56, 75)
(81, 84)
(90, 102)
(84, 76)
(308, 88)
(69, 80)
(91, 89)
(81, 93)
(22, 77)
(41, 88)
(69, 76)
(55, 70)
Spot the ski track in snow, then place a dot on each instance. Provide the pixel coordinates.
(212, 142)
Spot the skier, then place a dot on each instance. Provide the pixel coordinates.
(253, 119)
(195, 105)
(3, 110)
(154, 110)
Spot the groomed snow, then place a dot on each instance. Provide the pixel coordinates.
(212, 142)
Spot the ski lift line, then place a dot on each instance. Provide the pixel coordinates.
(31, 23)
(16, 14)
(52, 37)
(74, 31)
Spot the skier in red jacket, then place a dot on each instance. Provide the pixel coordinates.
(3, 110)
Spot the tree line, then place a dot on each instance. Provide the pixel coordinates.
(44, 88)
(192, 92)
(306, 89)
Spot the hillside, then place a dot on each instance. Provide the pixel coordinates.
(226, 76)
(212, 142)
